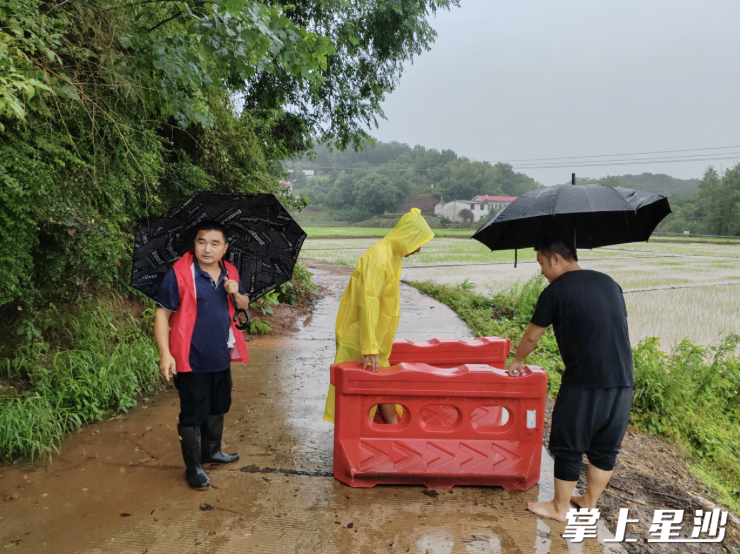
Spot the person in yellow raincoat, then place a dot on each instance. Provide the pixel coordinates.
(371, 303)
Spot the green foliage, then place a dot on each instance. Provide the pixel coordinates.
(81, 363)
(23, 36)
(714, 210)
(365, 179)
(658, 183)
(112, 111)
(266, 303)
(259, 327)
(720, 197)
(300, 287)
(502, 315)
(690, 396)
(373, 40)
(524, 299)
(466, 215)
(98, 152)
(287, 293)
(710, 206)
(465, 286)
(377, 193)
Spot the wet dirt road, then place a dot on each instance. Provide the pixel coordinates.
(118, 486)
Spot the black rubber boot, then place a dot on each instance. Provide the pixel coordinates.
(212, 430)
(190, 444)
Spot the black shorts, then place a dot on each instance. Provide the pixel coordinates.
(591, 422)
(203, 394)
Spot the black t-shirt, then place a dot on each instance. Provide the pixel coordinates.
(587, 311)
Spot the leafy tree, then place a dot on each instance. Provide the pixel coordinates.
(466, 215)
(658, 183)
(721, 195)
(688, 215)
(373, 40)
(414, 170)
(112, 110)
(714, 210)
(376, 193)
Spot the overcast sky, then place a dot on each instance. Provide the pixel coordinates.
(522, 79)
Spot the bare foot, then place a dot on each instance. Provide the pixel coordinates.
(547, 509)
(582, 501)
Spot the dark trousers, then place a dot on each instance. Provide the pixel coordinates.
(591, 422)
(202, 395)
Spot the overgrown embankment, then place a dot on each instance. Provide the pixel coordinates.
(690, 396)
(92, 358)
(81, 361)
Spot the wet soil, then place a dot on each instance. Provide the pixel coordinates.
(118, 486)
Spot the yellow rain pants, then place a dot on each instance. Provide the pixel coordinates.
(371, 304)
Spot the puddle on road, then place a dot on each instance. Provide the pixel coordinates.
(118, 486)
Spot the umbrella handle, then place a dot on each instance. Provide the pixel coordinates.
(237, 311)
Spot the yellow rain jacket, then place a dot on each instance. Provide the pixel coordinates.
(371, 303)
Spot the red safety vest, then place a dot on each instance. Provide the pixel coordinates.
(182, 322)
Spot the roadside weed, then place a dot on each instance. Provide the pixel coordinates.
(259, 327)
(102, 358)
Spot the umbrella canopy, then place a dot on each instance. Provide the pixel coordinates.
(264, 240)
(592, 215)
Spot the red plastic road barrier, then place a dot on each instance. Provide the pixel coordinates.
(467, 425)
(452, 352)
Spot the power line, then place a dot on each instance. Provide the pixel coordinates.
(638, 161)
(575, 164)
(630, 154)
(432, 165)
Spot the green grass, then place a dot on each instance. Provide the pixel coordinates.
(89, 360)
(505, 314)
(696, 239)
(690, 396)
(81, 364)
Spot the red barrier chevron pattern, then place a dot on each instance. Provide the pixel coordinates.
(489, 416)
(439, 414)
(469, 424)
(396, 455)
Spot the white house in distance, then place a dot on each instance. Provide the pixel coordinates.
(481, 206)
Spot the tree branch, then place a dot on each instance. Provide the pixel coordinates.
(178, 14)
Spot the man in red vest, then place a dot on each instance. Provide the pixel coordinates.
(198, 340)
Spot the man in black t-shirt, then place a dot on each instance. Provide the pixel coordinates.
(587, 312)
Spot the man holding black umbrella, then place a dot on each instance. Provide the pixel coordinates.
(588, 314)
(201, 295)
(195, 332)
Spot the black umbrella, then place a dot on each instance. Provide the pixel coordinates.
(264, 240)
(593, 215)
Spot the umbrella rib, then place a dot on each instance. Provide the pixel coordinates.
(619, 194)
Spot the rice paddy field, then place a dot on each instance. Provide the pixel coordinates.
(674, 289)
(371, 232)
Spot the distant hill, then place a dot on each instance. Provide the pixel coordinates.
(658, 183)
(356, 185)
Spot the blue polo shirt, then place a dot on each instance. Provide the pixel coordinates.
(209, 347)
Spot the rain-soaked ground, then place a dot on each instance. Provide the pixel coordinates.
(118, 486)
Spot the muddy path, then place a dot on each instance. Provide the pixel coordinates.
(118, 486)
